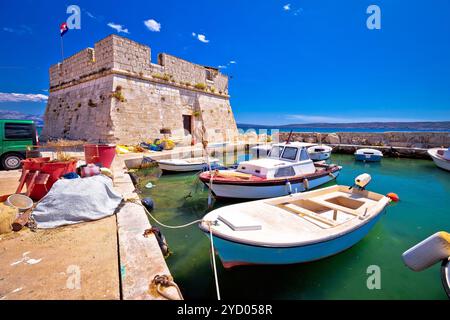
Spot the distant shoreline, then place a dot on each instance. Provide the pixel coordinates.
(438, 126)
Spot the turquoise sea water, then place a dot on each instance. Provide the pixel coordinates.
(424, 209)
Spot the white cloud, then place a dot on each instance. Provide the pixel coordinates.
(200, 37)
(233, 62)
(222, 67)
(22, 29)
(287, 7)
(22, 97)
(119, 28)
(153, 25)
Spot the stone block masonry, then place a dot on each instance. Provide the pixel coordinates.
(112, 93)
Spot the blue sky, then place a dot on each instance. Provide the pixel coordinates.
(295, 61)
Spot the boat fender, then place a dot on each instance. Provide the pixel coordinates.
(160, 238)
(306, 184)
(428, 252)
(332, 175)
(288, 187)
(148, 204)
(393, 196)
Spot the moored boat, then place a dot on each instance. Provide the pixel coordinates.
(320, 152)
(293, 229)
(369, 155)
(186, 165)
(288, 169)
(441, 157)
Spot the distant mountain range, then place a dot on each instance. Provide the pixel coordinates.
(5, 114)
(422, 125)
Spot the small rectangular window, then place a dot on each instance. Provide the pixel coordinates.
(285, 172)
(209, 75)
(290, 153)
(18, 131)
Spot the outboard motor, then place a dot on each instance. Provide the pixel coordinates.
(362, 181)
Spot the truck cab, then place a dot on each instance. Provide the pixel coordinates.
(15, 137)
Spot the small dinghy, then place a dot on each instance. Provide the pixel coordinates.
(288, 169)
(441, 157)
(369, 155)
(186, 165)
(320, 152)
(294, 229)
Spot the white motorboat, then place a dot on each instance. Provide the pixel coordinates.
(186, 165)
(368, 155)
(320, 152)
(293, 229)
(288, 169)
(441, 157)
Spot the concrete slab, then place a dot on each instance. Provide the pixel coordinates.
(73, 262)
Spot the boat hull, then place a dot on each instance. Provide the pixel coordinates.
(263, 191)
(184, 167)
(368, 158)
(441, 163)
(320, 156)
(234, 254)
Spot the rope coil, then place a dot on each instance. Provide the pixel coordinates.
(165, 281)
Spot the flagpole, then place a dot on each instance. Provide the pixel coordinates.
(62, 50)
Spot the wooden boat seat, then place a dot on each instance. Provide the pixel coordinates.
(302, 212)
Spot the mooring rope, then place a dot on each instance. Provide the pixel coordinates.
(213, 256)
(159, 222)
(166, 281)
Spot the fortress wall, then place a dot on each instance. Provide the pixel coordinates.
(83, 101)
(80, 112)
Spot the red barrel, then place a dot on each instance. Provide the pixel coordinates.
(102, 154)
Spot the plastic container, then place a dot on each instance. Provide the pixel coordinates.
(34, 164)
(100, 154)
(19, 201)
(55, 170)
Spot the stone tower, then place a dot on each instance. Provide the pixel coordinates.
(114, 94)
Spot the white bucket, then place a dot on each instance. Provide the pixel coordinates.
(19, 201)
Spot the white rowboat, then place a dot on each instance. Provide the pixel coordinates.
(293, 229)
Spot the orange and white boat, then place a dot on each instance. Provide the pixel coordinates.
(288, 169)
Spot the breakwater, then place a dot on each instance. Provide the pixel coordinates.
(395, 144)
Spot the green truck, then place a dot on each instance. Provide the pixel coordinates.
(16, 136)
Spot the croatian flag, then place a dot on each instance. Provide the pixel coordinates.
(63, 28)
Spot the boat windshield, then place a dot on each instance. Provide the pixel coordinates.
(276, 151)
(290, 153)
